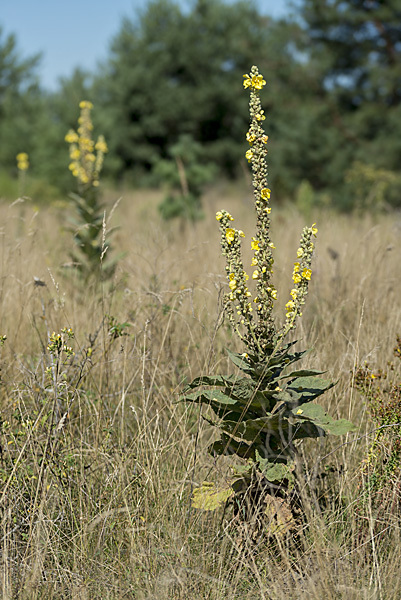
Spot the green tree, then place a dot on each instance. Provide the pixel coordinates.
(353, 49)
(175, 72)
(20, 100)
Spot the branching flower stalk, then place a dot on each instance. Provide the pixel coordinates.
(264, 412)
(256, 328)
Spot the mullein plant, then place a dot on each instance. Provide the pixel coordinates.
(267, 407)
(22, 166)
(86, 163)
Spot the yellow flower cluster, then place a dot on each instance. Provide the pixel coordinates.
(237, 303)
(86, 156)
(301, 275)
(254, 81)
(22, 161)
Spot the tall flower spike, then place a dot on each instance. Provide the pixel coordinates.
(261, 243)
(86, 156)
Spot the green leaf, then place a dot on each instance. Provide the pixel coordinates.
(240, 361)
(211, 397)
(319, 417)
(303, 373)
(214, 380)
(309, 387)
(209, 497)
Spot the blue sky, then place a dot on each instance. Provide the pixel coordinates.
(76, 32)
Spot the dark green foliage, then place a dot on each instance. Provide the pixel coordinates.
(176, 72)
(185, 174)
(263, 414)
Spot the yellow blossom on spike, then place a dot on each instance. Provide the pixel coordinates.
(230, 235)
(271, 245)
(254, 262)
(247, 81)
(314, 229)
(255, 274)
(248, 155)
(71, 137)
(85, 104)
(241, 233)
(273, 294)
(296, 267)
(255, 244)
(294, 294)
(22, 161)
(307, 274)
(258, 82)
(290, 306)
(265, 193)
(296, 277)
(101, 145)
(219, 216)
(250, 137)
(300, 252)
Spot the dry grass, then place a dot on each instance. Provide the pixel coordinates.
(97, 505)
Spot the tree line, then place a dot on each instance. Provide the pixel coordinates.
(171, 87)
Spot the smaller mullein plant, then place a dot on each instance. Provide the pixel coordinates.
(86, 164)
(22, 166)
(263, 412)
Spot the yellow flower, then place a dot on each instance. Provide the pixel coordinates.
(219, 216)
(314, 229)
(71, 137)
(296, 277)
(265, 138)
(296, 267)
(247, 81)
(251, 137)
(265, 193)
(255, 244)
(248, 155)
(290, 306)
(307, 274)
(300, 252)
(254, 262)
(258, 82)
(271, 245)
(268, 210)
(85, 104)
(255, 274)
(294, 294)
(230, 235)
(232, 285)
(22, 161)
(101, 145)
(75, 153)
(260, 116)
(241, 233)
(273, 293)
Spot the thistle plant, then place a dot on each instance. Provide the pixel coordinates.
(263, 413)
(87, 157)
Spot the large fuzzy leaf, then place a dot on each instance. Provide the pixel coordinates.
(309, 387)
(209, 497)
(318, 416)
(212, 380)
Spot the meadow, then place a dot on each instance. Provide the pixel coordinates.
(98, 459)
